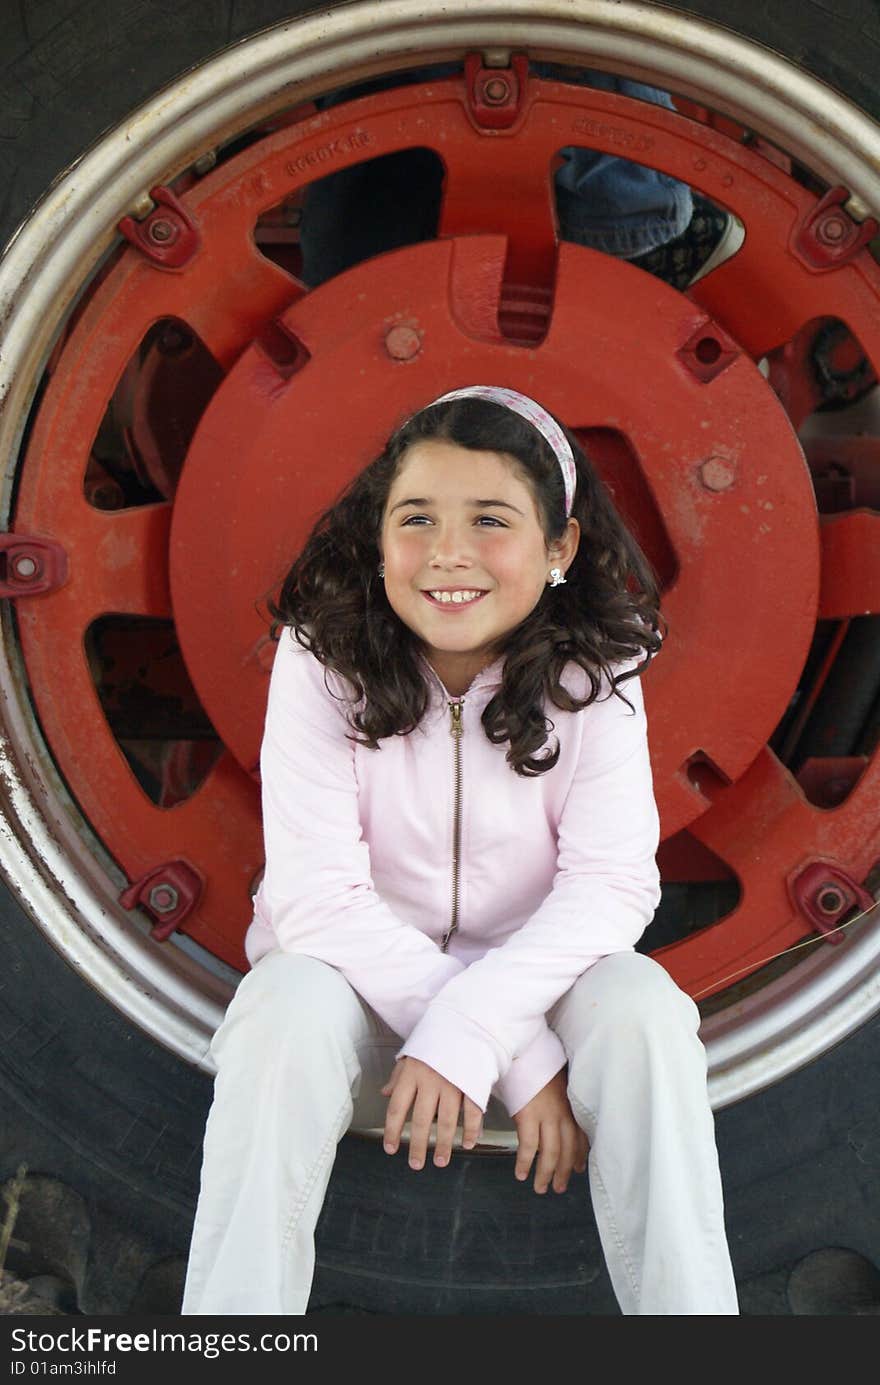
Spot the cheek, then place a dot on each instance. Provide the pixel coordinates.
(402, 551)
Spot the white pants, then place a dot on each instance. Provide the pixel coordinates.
(300, 1057)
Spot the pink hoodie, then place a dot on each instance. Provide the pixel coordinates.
(554, 871)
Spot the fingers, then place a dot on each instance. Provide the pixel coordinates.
(527, 1147)
(567, 1156)
(583, 1150)
(402, 1098)
(392, 1081)
(561, 1148)
(415, 1085)
(549, 1151)
(472, 1124)
(447, 1124)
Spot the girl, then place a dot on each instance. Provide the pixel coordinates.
(460, 835)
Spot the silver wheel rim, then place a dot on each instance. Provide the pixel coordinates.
(59, 871)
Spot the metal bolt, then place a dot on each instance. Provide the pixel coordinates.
(163, 899)
(25, 566)
(497, 91)
(831, 230)
(857, 209)
(830, 899)
(716, 474)
(162, 231)
(402, 343)
(205, 163)
(142, 205)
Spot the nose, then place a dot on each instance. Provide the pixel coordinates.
(451, 546)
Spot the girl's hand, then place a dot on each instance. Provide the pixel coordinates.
(545, 1126)
(414, 1083)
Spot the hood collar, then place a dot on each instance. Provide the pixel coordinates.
(488, 677)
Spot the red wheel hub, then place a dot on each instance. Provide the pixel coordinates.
(733, 524)
(665, 389)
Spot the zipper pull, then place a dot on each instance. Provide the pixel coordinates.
(456, 710)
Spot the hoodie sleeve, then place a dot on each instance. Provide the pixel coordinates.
(604, 894)
(531, 1071)
(317, 894)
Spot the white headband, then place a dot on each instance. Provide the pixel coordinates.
(533, 413)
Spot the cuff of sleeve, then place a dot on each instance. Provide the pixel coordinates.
(458, 1049)
(530, 1073)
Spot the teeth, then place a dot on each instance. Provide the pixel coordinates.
(457, 597)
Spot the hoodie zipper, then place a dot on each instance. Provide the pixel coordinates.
(455, 709)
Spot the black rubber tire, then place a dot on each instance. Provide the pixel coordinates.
(94, 1105)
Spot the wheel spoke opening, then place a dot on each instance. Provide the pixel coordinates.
(151, 706)
(141, 445)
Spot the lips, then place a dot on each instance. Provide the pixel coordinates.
(454, 598)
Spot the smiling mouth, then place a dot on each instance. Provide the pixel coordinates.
(465, 596)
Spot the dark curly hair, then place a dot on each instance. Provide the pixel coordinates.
(607, 611)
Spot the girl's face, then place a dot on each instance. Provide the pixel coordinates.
(465, 556)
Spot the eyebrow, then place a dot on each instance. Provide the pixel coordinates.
(478, 504)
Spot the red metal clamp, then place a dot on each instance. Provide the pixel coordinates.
(828, 236)
(824, 894)
(168, 892)
(30, 566)
(495, 94)
(168, 236)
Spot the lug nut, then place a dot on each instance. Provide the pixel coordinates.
(25, 567)
(830, 899)
(162, 231)
(831, 230)
(163, 899)
(497, 91)
(402, 343)
(716, 474)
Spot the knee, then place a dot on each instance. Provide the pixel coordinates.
(629, 1003)
(288, 1004)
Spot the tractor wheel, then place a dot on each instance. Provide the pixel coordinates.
(177, 404)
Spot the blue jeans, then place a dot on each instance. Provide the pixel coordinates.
(605, 202)
(611, 204)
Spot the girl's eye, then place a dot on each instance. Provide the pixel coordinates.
(482, 520)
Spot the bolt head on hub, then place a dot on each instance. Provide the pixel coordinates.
(496, 91)
(716, 474)
(162, 231)
(831, 230)
(830, 899)
(26, 567)
(163, 899)
(402, 343)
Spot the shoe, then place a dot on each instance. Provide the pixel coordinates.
(711, 236)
